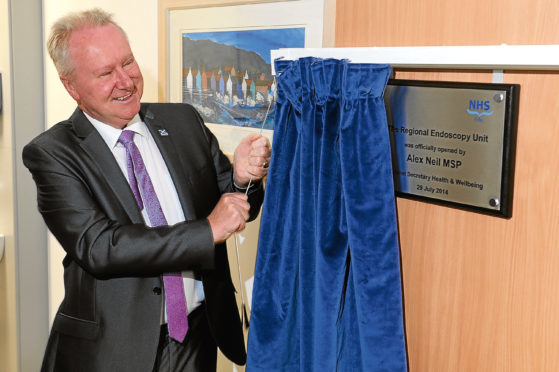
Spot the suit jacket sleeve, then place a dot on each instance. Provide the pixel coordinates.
(81, 210)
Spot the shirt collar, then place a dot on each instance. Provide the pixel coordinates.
(111, 134)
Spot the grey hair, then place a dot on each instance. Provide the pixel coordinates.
(62, 30)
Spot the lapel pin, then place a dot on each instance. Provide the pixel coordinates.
(163, 132)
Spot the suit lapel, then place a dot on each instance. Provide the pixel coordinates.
(176, 165)
(101, 155)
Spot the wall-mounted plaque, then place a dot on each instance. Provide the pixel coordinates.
(454, 143)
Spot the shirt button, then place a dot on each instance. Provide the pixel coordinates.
(157, 290)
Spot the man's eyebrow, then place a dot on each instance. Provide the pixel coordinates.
(103, 69)
(110, 66)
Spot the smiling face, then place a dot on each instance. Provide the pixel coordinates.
(106, 82)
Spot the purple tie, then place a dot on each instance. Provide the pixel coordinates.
(140, 183)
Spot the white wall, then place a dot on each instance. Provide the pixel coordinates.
(139, 19)
(8, 307)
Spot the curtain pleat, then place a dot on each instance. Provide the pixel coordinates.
(327, 290)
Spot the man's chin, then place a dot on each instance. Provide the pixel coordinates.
(121, 120)
(129, 111)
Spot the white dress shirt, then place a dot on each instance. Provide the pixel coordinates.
(162, 184)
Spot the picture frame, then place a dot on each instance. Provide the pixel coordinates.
(178, 18)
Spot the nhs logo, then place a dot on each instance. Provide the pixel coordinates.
(479, 109)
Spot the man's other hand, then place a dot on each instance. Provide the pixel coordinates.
(251, 159)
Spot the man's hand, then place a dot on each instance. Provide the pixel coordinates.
(251, 159)
(229, 215)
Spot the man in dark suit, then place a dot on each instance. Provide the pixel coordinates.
(113, 316)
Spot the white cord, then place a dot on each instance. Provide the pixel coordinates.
(244, 315)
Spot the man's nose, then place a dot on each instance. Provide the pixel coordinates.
(123, 80)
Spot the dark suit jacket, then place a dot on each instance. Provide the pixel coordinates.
(109, 319)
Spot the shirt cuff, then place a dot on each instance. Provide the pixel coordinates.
(250, 185)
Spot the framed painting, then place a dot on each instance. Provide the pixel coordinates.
(218, 60)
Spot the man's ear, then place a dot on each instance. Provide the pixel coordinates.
(70, 88)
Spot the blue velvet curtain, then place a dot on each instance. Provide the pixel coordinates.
(327, 289)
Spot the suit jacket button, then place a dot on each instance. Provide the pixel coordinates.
(157, 290)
